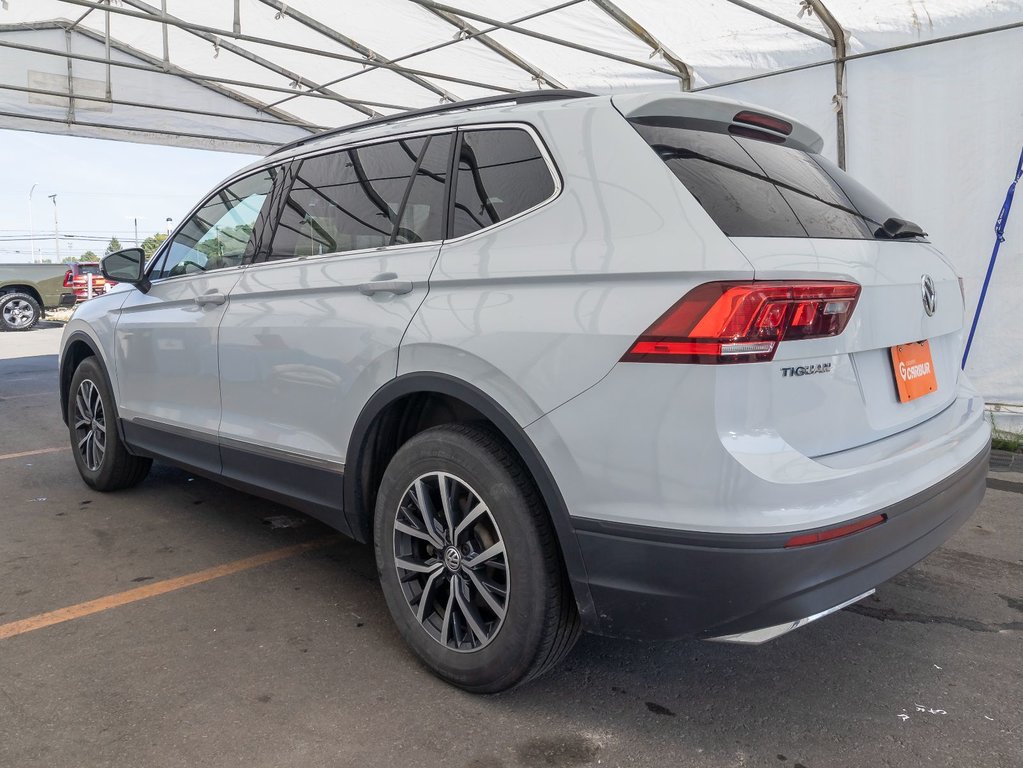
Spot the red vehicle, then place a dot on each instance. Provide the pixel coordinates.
(77, 278)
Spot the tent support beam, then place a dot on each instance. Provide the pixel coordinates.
(437, 46)
(186, 75)
(546, 38)
(541, 77)
(241, 37)
(635, 28)
(160, 132)
(256, 59)
(355, 45)
(838, 35)
(783, 21)
(160, 107)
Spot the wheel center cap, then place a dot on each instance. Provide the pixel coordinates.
(452, 559)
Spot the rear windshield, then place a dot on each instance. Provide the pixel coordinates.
(88, 269)
(753, 188)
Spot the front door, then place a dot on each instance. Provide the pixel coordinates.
(166, 351)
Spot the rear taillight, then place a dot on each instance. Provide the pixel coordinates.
(69, 279)
(730, 322)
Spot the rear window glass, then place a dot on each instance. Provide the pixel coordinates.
(753, 188)
(501, 173)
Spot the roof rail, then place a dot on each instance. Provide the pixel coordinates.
(520, 97)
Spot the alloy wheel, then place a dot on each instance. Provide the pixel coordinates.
(90, 425)
(18, 313)
(451, 562)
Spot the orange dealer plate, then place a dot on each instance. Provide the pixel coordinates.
(914, 370)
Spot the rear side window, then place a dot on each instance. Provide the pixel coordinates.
(356, 199)
(501, 173)
(753, 188)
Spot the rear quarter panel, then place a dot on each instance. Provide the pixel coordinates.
(537, 309)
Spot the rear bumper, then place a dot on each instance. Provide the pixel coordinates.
(68, 299)
(658, 584)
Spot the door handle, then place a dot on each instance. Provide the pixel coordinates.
(386, 283)
(213, 297)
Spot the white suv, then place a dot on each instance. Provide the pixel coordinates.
(645, 365)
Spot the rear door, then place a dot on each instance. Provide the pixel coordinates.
(313, 327)
(166, 352)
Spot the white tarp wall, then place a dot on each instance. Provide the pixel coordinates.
(936, 130)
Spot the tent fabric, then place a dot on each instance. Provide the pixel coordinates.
(932, 108)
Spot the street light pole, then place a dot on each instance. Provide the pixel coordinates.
(56, 227)
(31, 225)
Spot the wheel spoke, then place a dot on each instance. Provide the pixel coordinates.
(414, 532)
(445, 624)
(469, 520)
(409, 565)
(485, 593)
(427, 595)
(468, 610)
(84, 440)
(445, 501)
(422, 501)
(487, 554)
(81, 407)
(81, 423)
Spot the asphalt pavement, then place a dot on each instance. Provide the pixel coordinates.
(181, 623)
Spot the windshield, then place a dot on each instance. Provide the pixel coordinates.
(753, 188)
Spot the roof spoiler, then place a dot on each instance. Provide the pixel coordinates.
(693, 106)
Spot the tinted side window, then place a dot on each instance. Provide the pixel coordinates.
(754, 188)
(725, 180)
(422, 218)
(501, 173)
(218, 234)
(821, 205)
(346, 201)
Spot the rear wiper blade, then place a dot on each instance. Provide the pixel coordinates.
(894, 229)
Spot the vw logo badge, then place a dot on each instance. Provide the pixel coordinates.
(928, 295)
(452, 559)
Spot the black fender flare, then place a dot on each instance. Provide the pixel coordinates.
(440, 383)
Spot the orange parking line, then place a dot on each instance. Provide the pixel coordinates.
(156, 588)
(23, 454)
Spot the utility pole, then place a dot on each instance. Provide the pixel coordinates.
(136, 232)
(31, 225)
(56, 227)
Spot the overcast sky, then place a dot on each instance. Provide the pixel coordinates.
(101, 187)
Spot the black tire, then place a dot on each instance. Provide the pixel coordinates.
(539, 623)
(103, 461)
(18, 312)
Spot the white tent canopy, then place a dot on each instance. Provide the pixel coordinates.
(919, 98)
(313, 63)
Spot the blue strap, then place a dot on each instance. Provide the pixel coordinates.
(1003, 216)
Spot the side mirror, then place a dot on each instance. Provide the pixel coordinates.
(127, 266)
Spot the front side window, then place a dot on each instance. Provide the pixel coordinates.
(219, 234)
(501, 173)
(361, 198)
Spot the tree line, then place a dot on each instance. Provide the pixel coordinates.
(149, 245)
